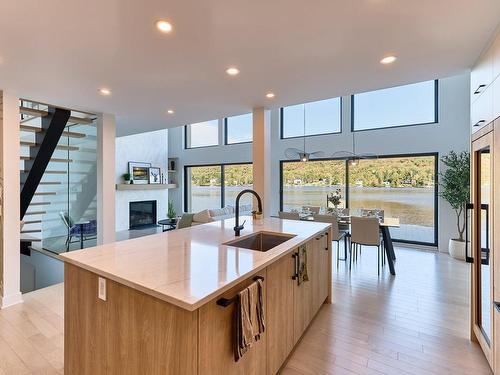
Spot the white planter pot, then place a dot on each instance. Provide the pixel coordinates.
(457, 249)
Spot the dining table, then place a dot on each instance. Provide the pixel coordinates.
(385, 224)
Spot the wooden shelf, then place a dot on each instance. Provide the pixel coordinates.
(145, 186)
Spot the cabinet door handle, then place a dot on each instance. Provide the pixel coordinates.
(326, 246)
(295, 257)
(478, 90)
(480, 122)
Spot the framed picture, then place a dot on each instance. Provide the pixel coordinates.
(154, 175)
(139, 172)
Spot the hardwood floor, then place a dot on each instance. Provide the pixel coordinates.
(31, 334)
(414, 323)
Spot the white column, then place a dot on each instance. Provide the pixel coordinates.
(10, 259)
(261, 149)
(106, 135)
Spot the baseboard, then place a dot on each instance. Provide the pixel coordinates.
(11, 300)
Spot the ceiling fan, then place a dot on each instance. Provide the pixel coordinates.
(303, 155)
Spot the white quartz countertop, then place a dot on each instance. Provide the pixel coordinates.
(189, 267)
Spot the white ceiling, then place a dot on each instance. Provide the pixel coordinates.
(62, 51)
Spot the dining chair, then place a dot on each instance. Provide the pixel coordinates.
(365, 231)
(289, 215)
(337, 235)
(312, 209)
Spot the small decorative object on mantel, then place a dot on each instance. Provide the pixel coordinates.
(154, 175)
(126, 178)
(139, 172)
(334, 198)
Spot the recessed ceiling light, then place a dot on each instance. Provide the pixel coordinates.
(232, 71)
(170, 111)
(388, 60)
(270, 95)
(164, 26)
(105, 91)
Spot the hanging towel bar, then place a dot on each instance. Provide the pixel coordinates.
(224, 302)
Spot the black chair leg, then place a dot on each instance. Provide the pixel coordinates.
(378, 258)
(338, 253)
(350, 256)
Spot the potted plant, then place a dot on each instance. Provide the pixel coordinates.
(171, 211)
(126, 178)
(455, 189)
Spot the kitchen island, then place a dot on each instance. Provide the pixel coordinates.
(155, 305)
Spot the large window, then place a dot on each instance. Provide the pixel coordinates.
(402, 186)
(216, 186)
(202, 134)
(239, 129)
(203, 187)
(237, 177)
(307, 184)
(413, 104)
(322, 117)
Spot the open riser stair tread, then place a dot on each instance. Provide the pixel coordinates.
(36, 129)
(35, 213)
(41, 113)
(58, 147)
(31, 231)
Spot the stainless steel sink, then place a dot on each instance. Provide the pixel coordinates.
(261, 241)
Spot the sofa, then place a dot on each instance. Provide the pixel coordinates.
(216, 214)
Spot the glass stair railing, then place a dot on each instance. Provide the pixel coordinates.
(64, 203)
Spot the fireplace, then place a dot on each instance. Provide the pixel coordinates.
(142, 214)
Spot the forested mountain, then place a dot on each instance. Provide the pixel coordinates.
(383, 172)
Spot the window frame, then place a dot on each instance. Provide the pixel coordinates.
(222, 181)
(194, 148)
(226, 143)
(436, 111)
(282, 123)
(435, 243)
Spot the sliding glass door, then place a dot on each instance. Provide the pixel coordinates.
(402, 186)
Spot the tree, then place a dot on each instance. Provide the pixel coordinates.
(455, 185)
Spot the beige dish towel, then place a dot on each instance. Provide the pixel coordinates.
(249, 318)
(303, 276)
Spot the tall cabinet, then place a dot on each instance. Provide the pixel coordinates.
(484, 229)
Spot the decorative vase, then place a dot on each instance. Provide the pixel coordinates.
(127, 182)
(457, 249)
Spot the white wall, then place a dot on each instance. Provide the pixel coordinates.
(451, 133)
(149, 147)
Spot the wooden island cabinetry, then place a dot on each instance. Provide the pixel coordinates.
(132, 331)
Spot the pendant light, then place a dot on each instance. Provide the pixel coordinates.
(303, 155)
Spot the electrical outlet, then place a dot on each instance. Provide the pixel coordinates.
(102, 289)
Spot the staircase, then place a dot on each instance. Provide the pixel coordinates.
(57, 167)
